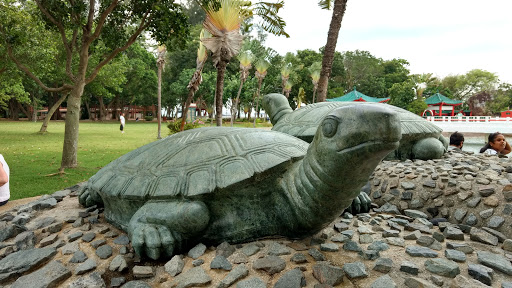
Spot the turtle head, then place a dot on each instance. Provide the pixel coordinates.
(276, 106)
(352, 140)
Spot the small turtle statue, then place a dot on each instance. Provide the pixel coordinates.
(420, 138)
(218, 184)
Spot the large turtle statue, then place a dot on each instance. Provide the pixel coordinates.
(220, 184)
(420, 138)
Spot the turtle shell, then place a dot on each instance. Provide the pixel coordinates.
(303, 122)
(196, 162)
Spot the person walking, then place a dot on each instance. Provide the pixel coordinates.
(123, 121)
(4, 181)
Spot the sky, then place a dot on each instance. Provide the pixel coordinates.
(449, 37)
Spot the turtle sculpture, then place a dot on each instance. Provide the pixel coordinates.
(420, 138)
(218, 184)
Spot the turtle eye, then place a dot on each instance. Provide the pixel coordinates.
(329, 127)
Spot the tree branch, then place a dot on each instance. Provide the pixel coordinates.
(67, 45)
(101, 20)
(143, 25)
(65, 87)
(90, 17)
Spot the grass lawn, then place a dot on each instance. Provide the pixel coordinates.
(32, 156)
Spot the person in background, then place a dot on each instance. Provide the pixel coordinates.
(4, 181)
(122, 120)
(496, 145)
(456, 142)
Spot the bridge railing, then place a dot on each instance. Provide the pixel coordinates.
(468, 119)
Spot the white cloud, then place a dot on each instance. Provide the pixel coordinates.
(440, 37)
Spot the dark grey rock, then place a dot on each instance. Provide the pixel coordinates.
(473, 202)
(118, 264)
(415, 213)
(74, 236)
(197, 251)
(413, 235)
(486, 213)
(438, 236)
(369, 254)
(328, 274)
(299, 258)
(471, 220)
(339, 238)
(139, 284)
(250, 249)
(174, 266)
(501, 237)
(430, 183)
(495, 222)
(122, 240)
(88, 237)
(459, 214)
(462, 247)
(277, 249)
(453, 233)
(8, 230)
(270, 264)
(417, 251)
(49, 276)
(415, 282)
(425, 241)
(329, 247)
(85, 267)
(352, 246)
(396, 241)
(384, 281)
(239, 272)
(104, 251)
(251, 283)
(495, 261)
(383, 265)
(25, 240)
(317, 255)
(355, 270)
(455, 255)
(220, 262)
(92, 280)
(443, 267)
(481, 273)
(19, 262)
(78, 257)
(143, 271)
(388, 208)
(486, 191)
(482, 236)
(390, 233)
(292, 278)
(408, 185)
(97, 243)
(378, 246)
(117, 281)
(197, 262)
(409, 267)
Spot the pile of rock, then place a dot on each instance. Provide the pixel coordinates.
(55, 242)
(470, 190)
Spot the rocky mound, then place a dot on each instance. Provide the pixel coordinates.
(470, 190)
(55, 242)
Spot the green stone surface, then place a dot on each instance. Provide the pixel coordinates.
(211, 185)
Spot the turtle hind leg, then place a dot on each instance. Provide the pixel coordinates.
(428, 148)
(158, 228)
(88, 197)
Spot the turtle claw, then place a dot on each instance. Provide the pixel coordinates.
(86, 197)
(152, 240)
(360, 204)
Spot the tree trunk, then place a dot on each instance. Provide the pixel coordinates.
(52, 110)
(330, 47)
(102, 108)
(219, 91)
(70, 148)
(24, 111)
(185, 110)
(234, 106)
(314, 92)
(14, 110)
(159, 112)
(34, 108)
(257, 98)
(88, 109)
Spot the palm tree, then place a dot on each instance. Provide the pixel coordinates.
(224, 25)
(288, 88)
(196, 80)
(314, 71)
(330, 47)
(285, 75)
(246, 58)
(300, 97)
(421, 82)
(260, 73)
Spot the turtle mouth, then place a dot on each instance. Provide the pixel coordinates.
(373, 145)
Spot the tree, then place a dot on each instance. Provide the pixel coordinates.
(314, 71)
(160, 63)
(224, 25)
(330, 48)
(246, 58)
(260, 72)
(118, 24)
(194, 83)
(402, 94)
(285, 75)
(473, 82)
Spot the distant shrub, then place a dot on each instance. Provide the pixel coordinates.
(149, 118)
(174, 126)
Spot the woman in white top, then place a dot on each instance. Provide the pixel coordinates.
(4, 181)
(496, 145)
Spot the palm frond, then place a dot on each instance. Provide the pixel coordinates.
(272, 22)
(246, 58)
(261, 66)
(326, 4)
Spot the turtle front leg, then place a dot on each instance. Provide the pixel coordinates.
(361, 204)
(160, 227)
(88, 197)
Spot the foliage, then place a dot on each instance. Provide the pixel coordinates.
(402, 94)
(417, 106)
(175, 126)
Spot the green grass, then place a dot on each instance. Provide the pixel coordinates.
(32, 156)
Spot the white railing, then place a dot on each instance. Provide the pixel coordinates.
(468, 119)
